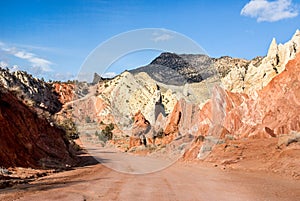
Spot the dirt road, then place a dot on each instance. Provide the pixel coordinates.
(178, 182)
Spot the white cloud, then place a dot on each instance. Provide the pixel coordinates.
(34, 47)
(157, 37)
(109, 74)
(43, 65)
(270, 11)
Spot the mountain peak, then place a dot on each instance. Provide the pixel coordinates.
(170, 60)
(273, 49)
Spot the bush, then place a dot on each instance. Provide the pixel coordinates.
(107, 132)
(101, 137)
(69, 127)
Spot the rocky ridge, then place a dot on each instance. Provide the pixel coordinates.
(257, 73)
(173, 69)
(33, 91)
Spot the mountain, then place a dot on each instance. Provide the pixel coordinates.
(236, 75)
(171, 77)
(173, 69)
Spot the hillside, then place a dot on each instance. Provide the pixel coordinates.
(36, 92)
(29, 140)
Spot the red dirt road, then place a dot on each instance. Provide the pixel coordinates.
(178, 182)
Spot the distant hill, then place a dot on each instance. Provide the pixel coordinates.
(171, 68)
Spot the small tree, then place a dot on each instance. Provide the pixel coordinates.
(107, 132)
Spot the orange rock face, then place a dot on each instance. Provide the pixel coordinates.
(134, 141)
(274, 111)
(141, 126)
(175, 116)
(65, 91)
(29, 140)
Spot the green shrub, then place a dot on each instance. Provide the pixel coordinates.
(70, 128)
(102, 136)
(107, 132)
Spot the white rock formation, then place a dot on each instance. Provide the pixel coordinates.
(255, 77)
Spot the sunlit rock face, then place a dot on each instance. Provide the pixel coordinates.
(65, 91)
(273, 111)
(260, 71)
(29, 140)
(35, 92)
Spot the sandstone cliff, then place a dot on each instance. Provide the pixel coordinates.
(28, 140)
(259, 72)
(274, 111)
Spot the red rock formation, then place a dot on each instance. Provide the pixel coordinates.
(140, 127)
(172, 124)
(280, 100)
(274, 111)
(65, 91)
(28, 140)
(134, 141)
(140, 122)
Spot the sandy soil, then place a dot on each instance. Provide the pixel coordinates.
(180, 181)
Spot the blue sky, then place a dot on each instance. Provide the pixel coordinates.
(52, 38)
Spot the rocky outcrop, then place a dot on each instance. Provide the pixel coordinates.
(246, 107)
(97, 78)
(138, 92)
(65, 91)
(28, 140)
(174, 69)
(225, 64)
(173, 122)
(259, 72)
(33, 91)
(273, 111)
(141, 127)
